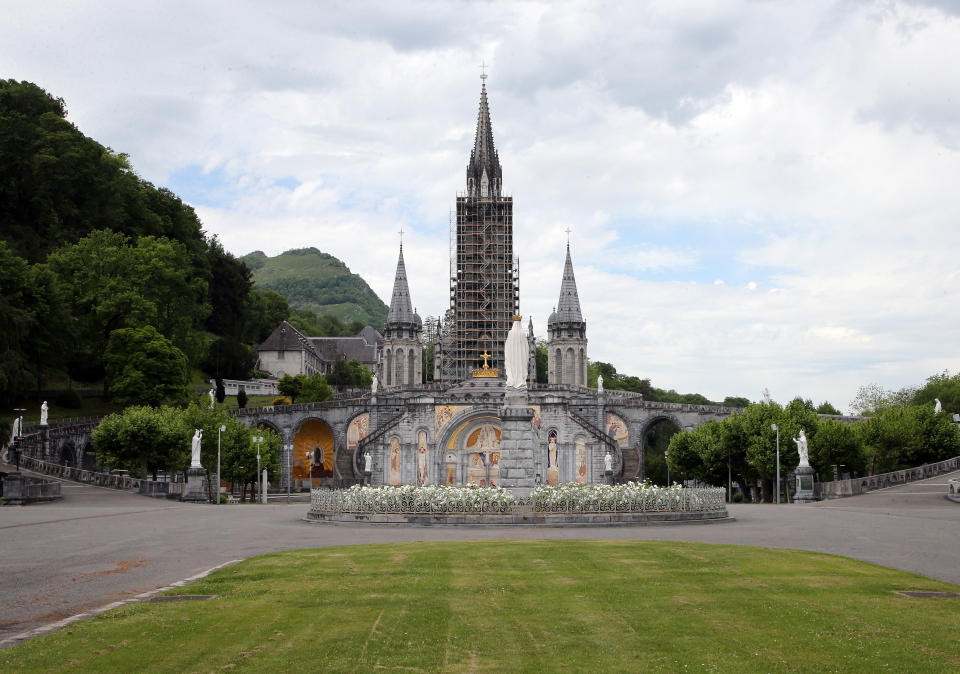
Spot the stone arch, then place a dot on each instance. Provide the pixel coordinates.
(316, 436)
(558, 366)
(552, 459)
(654, 463)
(569, 366)
(453, 440)
(581, 368)
(410, 369)
(67, 454)
(422, 449)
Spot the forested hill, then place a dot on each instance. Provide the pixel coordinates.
(94, 259)
(310, 279)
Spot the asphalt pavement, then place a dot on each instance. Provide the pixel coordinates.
(97, 545)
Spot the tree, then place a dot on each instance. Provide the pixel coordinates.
(229, 358)
(826, 408)
(143, 440)
(265, 310)
(241, 398)
(144, 368)
(315, 389)
(239, 459)
(837, 444)
(542, 362)
(290, 386)
(221, 394)
(735, 401)
(942, 386)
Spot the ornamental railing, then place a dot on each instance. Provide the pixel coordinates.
(629, 498)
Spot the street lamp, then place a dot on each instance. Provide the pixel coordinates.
(289, 454)
(774, 427)
(258, 439)
(666, 459)
(219, 431)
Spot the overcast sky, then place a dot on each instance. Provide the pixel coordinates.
(758, 193)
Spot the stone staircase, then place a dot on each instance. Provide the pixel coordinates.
(626, 462)
(347, 470)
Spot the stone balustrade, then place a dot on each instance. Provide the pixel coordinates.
(861, 485)
(111, 480)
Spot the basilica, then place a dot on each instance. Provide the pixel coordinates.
(464, 427)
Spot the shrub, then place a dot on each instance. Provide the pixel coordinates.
(281, 400)
(241, 398)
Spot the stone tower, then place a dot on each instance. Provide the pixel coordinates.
(484, 293)
(402, 361)
(567, 334)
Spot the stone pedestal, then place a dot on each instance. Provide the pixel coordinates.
(804, 485)
(196, 491)
(517, 471)
(608, 477)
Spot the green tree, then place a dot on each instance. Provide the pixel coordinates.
(735, 401)
(826, 408)
(837, 444)
(143, 367)
(315, 389)
(265, 310)
(143, 440)
(543, 362)
(290, 386)
(239, 460)
(241, 398)
(942, 386)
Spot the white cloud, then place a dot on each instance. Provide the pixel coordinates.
(758, 194)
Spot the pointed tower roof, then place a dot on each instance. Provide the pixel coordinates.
(568, 308)
(401, 310)
(483, 157)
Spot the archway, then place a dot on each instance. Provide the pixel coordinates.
(656, 440)
(468, 449)
(316, 438)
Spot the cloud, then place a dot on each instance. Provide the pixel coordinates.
(758, 194)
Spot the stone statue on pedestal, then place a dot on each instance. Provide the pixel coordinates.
(374, 383)
(608, 462)
(195, 449)
(802, 449)
(517, 355)
(599, 383)
(367, 463)
(766, 396)
(44, 410)
(937, 408)
(212, 397)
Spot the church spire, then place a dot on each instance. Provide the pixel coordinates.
(484, 174)
(568, 308)
(401, 310)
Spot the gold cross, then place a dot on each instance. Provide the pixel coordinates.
(486, 357)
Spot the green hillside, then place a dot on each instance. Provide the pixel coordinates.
(318, 281)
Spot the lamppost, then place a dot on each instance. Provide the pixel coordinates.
(309, 456)
(289, 454)
(258, 439)
(729, 479)
(774, 427)
(666, 458)
(219, 431)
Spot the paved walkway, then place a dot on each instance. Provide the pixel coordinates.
(99, 545)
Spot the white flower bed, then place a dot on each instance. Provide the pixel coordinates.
(628, 497)
(568, 498)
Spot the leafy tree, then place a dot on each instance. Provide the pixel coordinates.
(142, 439)
(315, 389)
(239, 459)
(735, 401)
(942, 386)
(230, 285)
(826, 408)
(265, 310)
(837, 444)
(349, 373)
(873, 398)
(241, 398)
(229, 358)
(884, 435)
(543, 362)
(289, 386)
(143, 367)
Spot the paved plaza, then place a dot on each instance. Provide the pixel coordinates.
(98, 545)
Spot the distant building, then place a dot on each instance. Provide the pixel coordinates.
(289, 351)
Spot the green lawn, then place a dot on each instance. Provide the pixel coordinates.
(529, 606)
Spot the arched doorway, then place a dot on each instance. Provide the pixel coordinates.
(469, 451)
(656, 440)
(313, 453)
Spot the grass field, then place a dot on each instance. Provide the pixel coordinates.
(528, 606)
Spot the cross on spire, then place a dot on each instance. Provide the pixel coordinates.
(568, 237)
(483, 71)
(401, 235)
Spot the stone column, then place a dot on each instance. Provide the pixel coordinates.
(804, 485)
(517, 470)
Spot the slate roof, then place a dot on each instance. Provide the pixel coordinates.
(288, 338)
(484, 153)
(568, 308)
(401, 309)
(349, 348)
